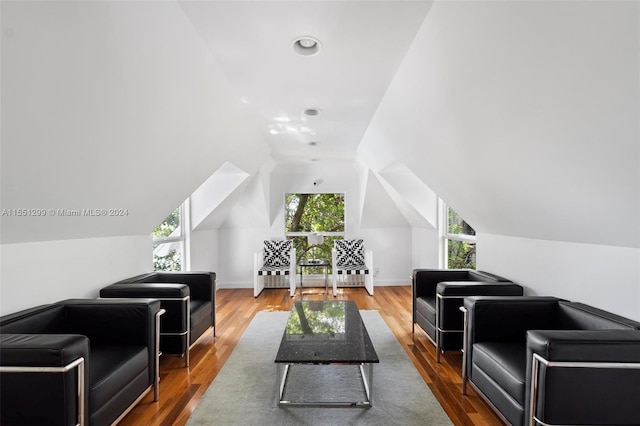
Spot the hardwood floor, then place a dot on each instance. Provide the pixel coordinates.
(181, 388)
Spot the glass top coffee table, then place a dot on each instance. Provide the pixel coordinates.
(326, 333)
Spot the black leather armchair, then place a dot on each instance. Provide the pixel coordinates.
(544, 360)
(187, 297)
(83, 361)
(438, 295)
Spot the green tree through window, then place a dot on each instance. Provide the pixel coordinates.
(460, 242)
(314, 213)
(168, 243)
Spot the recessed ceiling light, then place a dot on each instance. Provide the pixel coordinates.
(312, 112)
(306, 46)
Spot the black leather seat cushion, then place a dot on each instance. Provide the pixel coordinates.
(426, 314)
(112, 368)
(505, 363)
(426, 307)
(200, 311)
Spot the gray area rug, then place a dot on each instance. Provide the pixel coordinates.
(243, 392)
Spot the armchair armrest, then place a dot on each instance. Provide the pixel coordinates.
(146, 290)
(42, 350)
(52, 364)
(580, 377)
(478, 288)
(585, 345)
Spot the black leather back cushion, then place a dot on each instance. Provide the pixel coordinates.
(41, 320)
(576, 316)
(483, 276)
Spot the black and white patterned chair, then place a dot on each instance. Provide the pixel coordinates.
(349, 257)
(277, 258)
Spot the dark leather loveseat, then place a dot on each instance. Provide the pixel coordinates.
(81, 361)
(187, 297)
(438, 295)
(565, 362)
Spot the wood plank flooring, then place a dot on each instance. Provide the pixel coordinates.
(181, 388)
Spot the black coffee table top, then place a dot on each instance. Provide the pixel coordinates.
(323, 332)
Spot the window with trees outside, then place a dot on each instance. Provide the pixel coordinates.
(319, 214)
(168, 243)
(460, 242)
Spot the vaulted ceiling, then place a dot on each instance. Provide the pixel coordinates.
(524, 116)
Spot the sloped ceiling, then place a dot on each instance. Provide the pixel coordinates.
(378, 209)
(110, 105)
(421, 202)
(216, 194)
(133, 105)
(523, 116)
(250, 209)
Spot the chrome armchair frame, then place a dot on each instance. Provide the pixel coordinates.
(464, 349)
(439, 326)
(187, 301)
(535, 378)
(78, 363)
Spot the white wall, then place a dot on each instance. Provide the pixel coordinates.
(391, 248)
(44, 272)
(237, 248)
(425, 248)
(607, 277)
(203, 251)
(391, 245)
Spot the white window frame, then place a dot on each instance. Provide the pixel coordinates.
(445, 236)
(305, 234)
(182, 239)
(288, 234)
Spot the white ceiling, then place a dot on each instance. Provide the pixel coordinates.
(362, 45)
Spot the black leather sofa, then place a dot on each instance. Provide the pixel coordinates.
(544, 360)
(80, 361)
(187, 297)
(438, 295)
